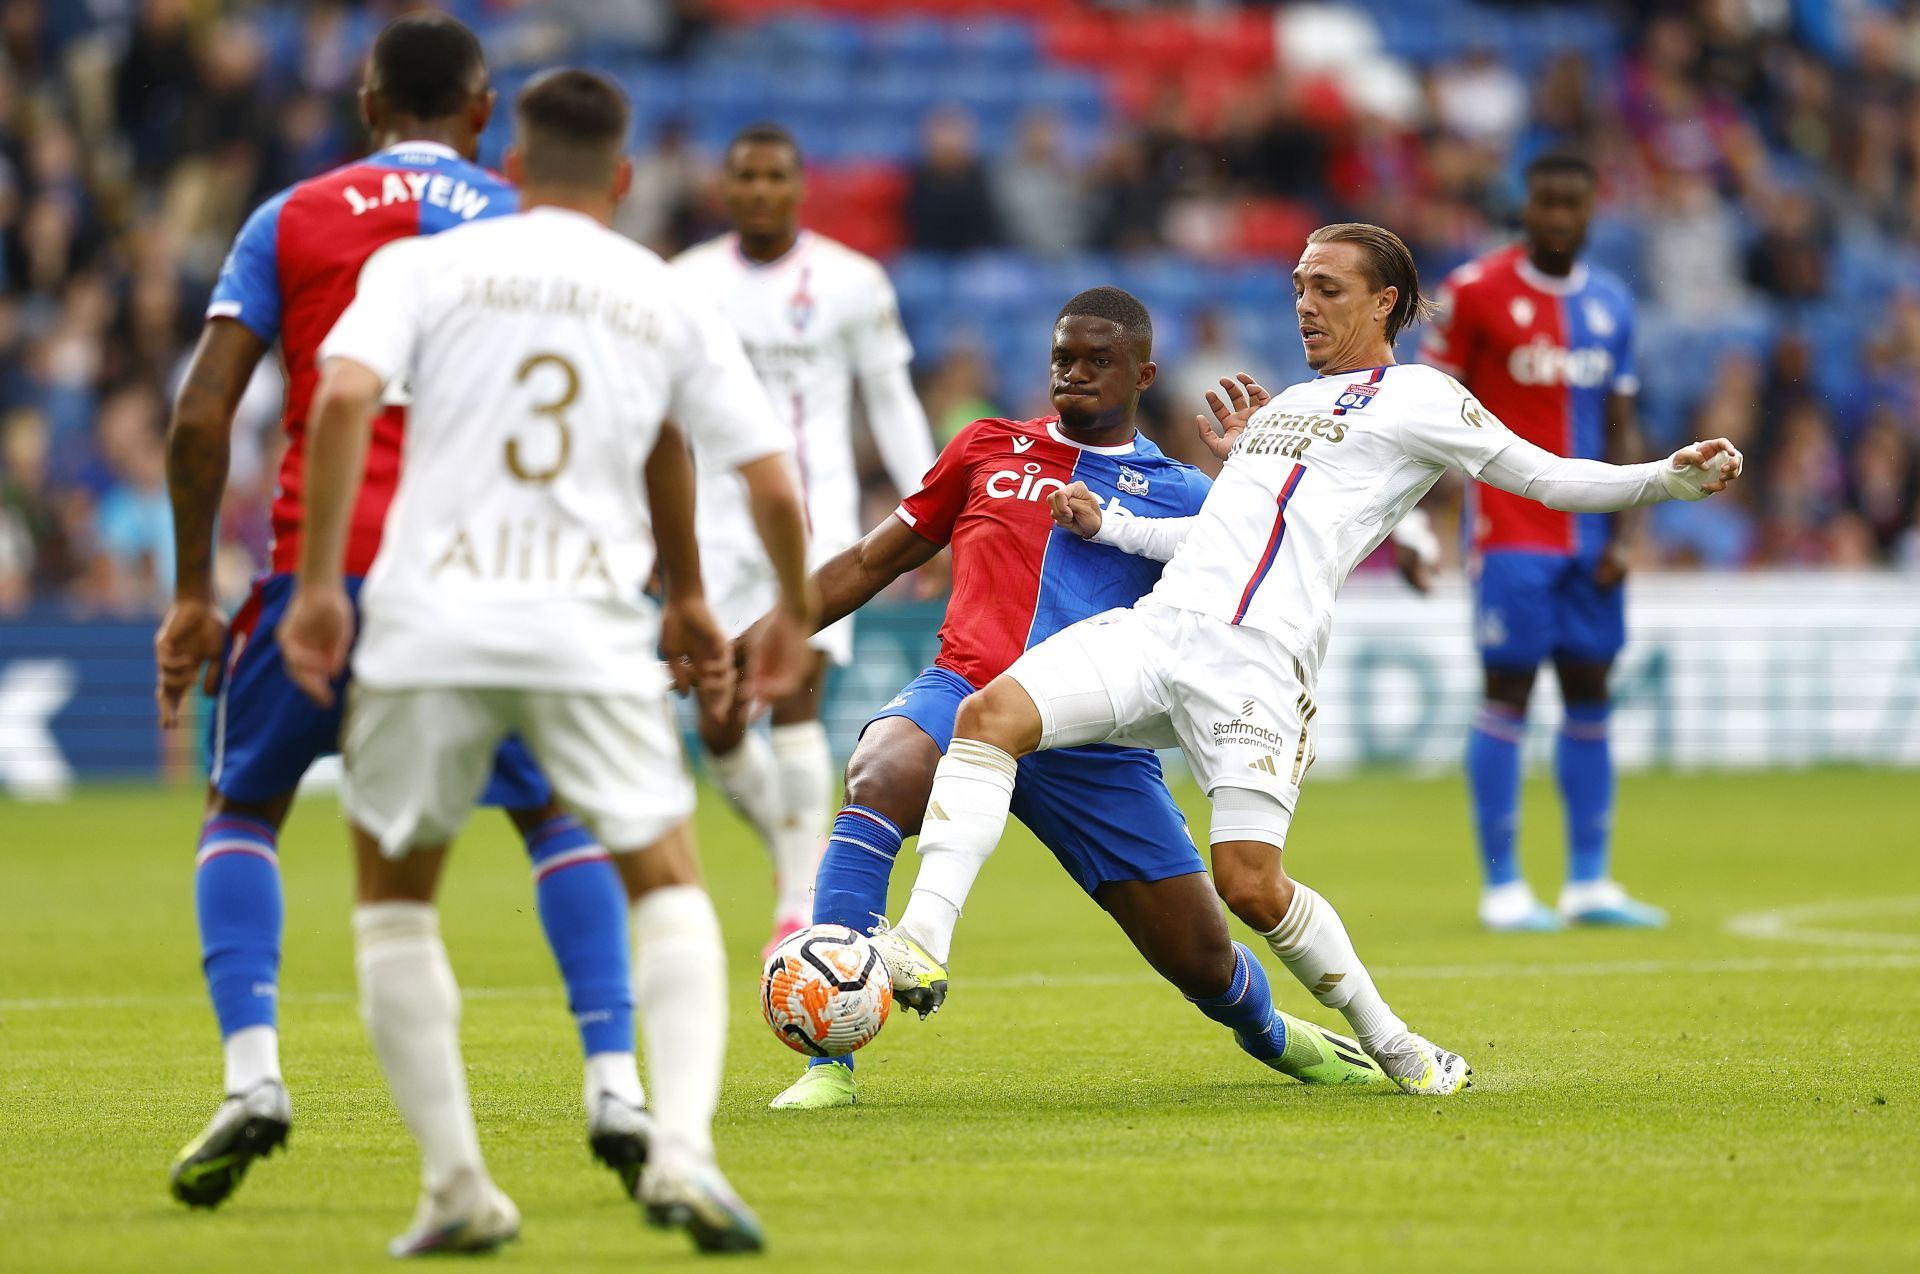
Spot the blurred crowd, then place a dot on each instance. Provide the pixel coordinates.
(1760, 163)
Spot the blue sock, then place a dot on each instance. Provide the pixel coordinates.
(1493, 779)
(583, 909)
(1584, 765)
(236, 885)
(850, 887)
(1246, 1008)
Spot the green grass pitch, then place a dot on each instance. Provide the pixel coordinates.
(1729, 1094)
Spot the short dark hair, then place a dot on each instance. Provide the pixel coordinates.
(1116, 305)
(572, 127)
(764, 133)
(1388, 264)
(427, 65)
(1558, 163)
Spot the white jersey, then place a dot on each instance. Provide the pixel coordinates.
(543, 351)
(1319, 478)
(811, 322)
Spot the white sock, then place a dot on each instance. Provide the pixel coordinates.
(1313, 944)
(680, 990)
(751, 779)
(253, 1056)
(411, 1006)
(616, 1073)
(966, 813)
(805, 762)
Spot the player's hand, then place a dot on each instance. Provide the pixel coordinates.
(693, 644)
(1610, 572)
(193, 635)
(1414, 568)
(1720, 459)
(315, 636)
(1240, 396)
(1076, 508)
(780, 659)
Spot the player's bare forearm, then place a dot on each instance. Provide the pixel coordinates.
(671, 494)
(782, 524)
(198, 439)
(338, 430)
(850, 579)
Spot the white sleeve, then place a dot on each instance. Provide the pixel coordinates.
(717, 399)
(381, 329)
(1592, 486)
(1157, 538)
(899, 425)
(876, 339)
(1452, 430)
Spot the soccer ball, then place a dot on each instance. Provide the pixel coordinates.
(825, 991)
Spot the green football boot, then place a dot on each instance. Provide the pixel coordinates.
(1315, 1055)
(819, 1088)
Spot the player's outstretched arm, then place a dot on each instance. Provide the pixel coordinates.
(1416, 549)
(317, 631)
(194, 632)
(691, 640)
(1077, 509)
(850, 579)
(1593, 486)
(1241, 396)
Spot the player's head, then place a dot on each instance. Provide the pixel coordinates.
(763, 183)
(1102, 358)
(427, 77)
(1559, 205)
(1356, 286)
(570, 140)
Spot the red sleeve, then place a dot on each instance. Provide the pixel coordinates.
(1448, 341)
(936, 506)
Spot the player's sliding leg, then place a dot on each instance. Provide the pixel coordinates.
(888, 777)
(680, 989)
(1583, 766)
(583, 910)
(238, 905)
(1304, 931)
(1507, 902)
(1176, 924)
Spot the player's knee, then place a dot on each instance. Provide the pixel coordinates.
(1002, 715)
(889, 784)
(1250, 881)
(721, 735)
(1510, 687)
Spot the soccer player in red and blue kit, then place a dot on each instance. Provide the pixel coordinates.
(1545, 340)
(290, 274)
(1103, 810)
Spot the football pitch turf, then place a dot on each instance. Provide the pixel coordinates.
(1736, 1091)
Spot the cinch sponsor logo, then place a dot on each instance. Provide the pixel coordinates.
(1539, 363)
(1012, 484)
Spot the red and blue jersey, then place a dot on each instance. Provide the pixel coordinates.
(292, 272)
(1017, 578)
(1543, 354)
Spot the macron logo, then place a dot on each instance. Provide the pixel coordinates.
(1021, 445)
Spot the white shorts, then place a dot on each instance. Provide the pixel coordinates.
(1231, 698)
(417, 760)
(741, 590)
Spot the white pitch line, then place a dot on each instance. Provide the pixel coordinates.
(1797, 924)
(1030, 981)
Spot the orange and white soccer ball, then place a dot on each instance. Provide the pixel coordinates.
(825, 991)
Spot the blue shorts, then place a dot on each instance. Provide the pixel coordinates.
(1529, 607)
(266, 732)
(1104, 811)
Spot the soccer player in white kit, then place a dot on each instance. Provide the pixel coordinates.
(816, 317)
(543, 352)
(1222, 656)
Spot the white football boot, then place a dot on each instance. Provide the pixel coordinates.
(468, 1214)
(1422, 1068)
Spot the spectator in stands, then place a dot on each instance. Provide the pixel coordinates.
(1039, 195)
(134, 521)
(1789, 259)
(956, 391)
(1126, 203)
(949, 204)
(669, 184)
(1480, 99)
(1181, 392)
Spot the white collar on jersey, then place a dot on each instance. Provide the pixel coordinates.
(1539, 280)
(792, 254)
(1053, 428)
(440, 149)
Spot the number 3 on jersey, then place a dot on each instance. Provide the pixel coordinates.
(554, 411)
